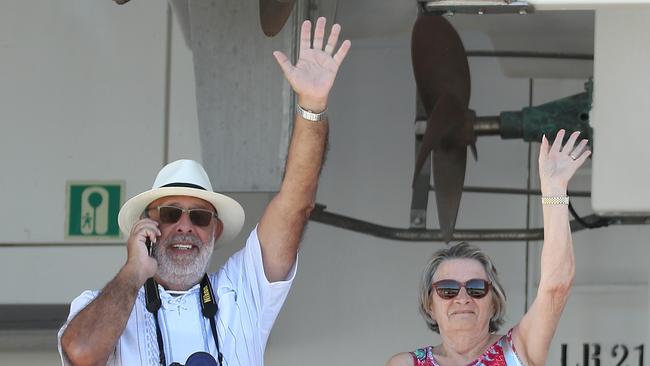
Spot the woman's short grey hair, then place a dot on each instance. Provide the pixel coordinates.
(462, 251)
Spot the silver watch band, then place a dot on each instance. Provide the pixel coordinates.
(309, 115)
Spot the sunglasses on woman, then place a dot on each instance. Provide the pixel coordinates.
(171, 215)
(448, 289)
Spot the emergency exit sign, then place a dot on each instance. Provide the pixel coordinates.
(92, 208)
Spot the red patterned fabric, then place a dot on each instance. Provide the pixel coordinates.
(496, 355)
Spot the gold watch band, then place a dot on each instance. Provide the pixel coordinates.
(555, 200)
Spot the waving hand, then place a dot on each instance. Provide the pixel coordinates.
(558, 163)
(313, 75)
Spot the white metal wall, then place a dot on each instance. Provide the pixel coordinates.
(621, 109)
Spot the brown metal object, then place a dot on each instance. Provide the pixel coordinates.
(274, 14)
(443, 82)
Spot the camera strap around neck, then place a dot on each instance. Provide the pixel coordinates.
(209, 309)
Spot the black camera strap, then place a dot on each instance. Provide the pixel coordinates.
(209, 309)
(153, 303)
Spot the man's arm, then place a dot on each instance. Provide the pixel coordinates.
(284, 219)
(91, 336)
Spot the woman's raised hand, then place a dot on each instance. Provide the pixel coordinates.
(558, 163)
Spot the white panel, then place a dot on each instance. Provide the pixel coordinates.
(56, 275)
(18, 358)
(598, 315)
(118, 100)
(580, 4)
(621, 110)
(81, 93)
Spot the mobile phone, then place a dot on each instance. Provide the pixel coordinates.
(147, 242)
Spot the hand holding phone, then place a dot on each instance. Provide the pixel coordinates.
(142, 239)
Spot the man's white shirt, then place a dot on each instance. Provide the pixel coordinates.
(248, 306)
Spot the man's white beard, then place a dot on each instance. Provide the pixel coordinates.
(184, 272)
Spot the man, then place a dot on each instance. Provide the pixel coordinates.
(181, 218)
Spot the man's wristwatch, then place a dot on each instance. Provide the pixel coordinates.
(309, 115)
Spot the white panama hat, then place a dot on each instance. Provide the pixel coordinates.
(184, 178)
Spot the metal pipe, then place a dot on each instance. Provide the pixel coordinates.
(488, 125)
(475, 189)
(407, 234)
(531, 54)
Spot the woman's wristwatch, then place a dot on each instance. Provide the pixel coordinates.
(555, 200)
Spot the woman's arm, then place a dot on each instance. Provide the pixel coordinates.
(557, 164)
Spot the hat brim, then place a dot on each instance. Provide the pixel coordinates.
(229, 211)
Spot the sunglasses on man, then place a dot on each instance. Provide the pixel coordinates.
(476, 288)
(171, 214)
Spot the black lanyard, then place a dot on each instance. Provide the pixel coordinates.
(209, 309)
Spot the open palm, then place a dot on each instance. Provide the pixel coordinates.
(558, 163)
(314, 73)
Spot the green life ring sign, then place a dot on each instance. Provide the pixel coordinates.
(92, 209)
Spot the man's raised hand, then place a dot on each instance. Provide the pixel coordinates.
(313, 75)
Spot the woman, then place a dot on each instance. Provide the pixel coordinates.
(461, 298)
